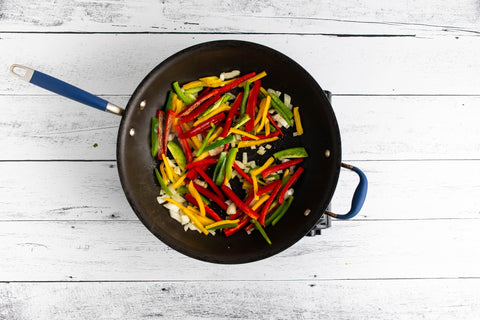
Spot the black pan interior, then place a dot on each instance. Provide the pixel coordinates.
(313, 191)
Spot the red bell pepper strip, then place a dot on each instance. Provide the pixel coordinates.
(192, 174)
(274, 124)
(268, 187)
(242, 173)
(251, 103)
(231, 114)
(289, 183)
(212, 93)
(203, 93)
(208, 160)
(208, 210)
(267, 205)
(242, 223)
(204, 106)
(247, 201)
(185, 147)
(202, 127)
(239, 203)
(211, 184)
(281, 166)
(160, 116)
(168, 127)
(210, 195)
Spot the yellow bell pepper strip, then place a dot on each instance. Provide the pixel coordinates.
(193, 84)
(260, 111)
(258, 171)
(210, 212)
(164, 174)
(215, 134)
(249, 143)
(187, 98)
(260, 201)
(264, 113)
(221, 108)
(298, 121)
(246, 92)
(210, 81)
(189, 214)
(168, 168)
(163, 185)
(243, 133)
(251, 104)
(197, 197)
(232, 154)
(298, 152)
(204, 143)
(215, 105)
(261, 230)
(255, 78)
(179, 182)
(222, 224)
(267, 126)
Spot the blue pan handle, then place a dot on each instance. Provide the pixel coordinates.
(62, 88)
(358, 197)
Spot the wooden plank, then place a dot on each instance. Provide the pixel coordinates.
(371, 127)
(126, 251)
(328, 17)
(399, 299)
(91, 191)
(341, 65)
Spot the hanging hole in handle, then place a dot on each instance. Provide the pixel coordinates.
(22, 72)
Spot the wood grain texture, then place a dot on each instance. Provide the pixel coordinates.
(125, 250)
(342, 65)
(311, 299)
(398, 190)
(350, 17)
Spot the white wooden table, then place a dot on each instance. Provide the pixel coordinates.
(405, 78)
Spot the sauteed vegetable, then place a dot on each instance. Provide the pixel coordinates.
(204, 138)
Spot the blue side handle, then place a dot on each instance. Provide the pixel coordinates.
(62, 88)
(359, 195)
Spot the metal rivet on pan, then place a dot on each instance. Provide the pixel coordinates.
(132, 132)
(143, 104)
(327, 153)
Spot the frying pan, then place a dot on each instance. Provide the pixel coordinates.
(313, 191)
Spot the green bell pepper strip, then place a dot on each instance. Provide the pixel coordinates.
(204, 143)
(219, 143)
(242, 121)
(297, 152)
(182, 190)
(243, 106)
(193, 90)
(221, 173)
(168, 106)
(288, 202)
(187, 98)
(162, 183)
(281, 108)
(232, 154)
(154, 136)
(214, 106)
(279, 211)
(221, 159)
(261, 230)
(224, 226)
(177, 154)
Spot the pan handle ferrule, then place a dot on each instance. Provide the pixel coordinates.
(114, 109)
(359, 195)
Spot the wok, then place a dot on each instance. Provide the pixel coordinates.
(313, 191)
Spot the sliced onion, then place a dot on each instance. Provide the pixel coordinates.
(231, 209)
